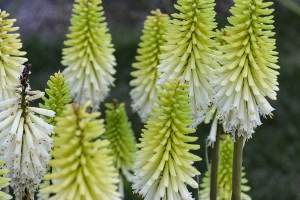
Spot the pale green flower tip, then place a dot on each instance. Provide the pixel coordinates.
(79, 152)
(98, 63)
(59, 94)
(145, 76)
(121, 137)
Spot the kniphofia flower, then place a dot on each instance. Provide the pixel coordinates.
(11, 60)
(59, 94)
(146, 73)
(87, 169)
(122, 141)
(164, 163)
(247, 75)
(88, 55)
(24, 138)
(189, 52)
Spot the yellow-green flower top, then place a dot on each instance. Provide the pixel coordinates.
(146, 73)
(122, 140)
(59, 94)
(89, 54)
(247, 74)
(11, 60)
(87, 170)
(164, 163)
(121, 137)
(189, 52)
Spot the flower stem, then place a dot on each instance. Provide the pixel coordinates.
(237, 168)
(214, 165)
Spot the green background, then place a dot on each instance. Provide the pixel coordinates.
(271, 157)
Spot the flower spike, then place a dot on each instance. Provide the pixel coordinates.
(24, 140)
(87, 170)
(164, 163)
(88, 55)
(189, 52)
(248, 72)
(11, 60)
(59, 94)
(146, 74)
(122, 141)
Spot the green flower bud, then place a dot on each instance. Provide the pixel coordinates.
(122, 140)
(59, 94)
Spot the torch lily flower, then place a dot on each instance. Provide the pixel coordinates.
(146, 73)
(248, 68)
(164, 163)
(190, 53)
(11, 60)
(87, 169)
(24, 138)
(88, 55)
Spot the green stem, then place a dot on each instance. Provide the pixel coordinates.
(214, 165)
(237, 168)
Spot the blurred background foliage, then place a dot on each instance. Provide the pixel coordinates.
(271, 157)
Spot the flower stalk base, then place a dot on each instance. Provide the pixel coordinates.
(214, 165)
(237, 168)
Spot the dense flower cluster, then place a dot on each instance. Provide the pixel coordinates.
(164, 164)
(87, 170)
(146, 74)
(24, 138)
(59, 94)
(89, 57)
(11, 62)
(247, 74)
(122, 141)
(189, 52)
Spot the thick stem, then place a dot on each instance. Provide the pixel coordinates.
(237, 168)
(214, 165)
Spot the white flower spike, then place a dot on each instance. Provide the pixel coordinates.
(24, 139)
(189, 52)
(247, 74)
